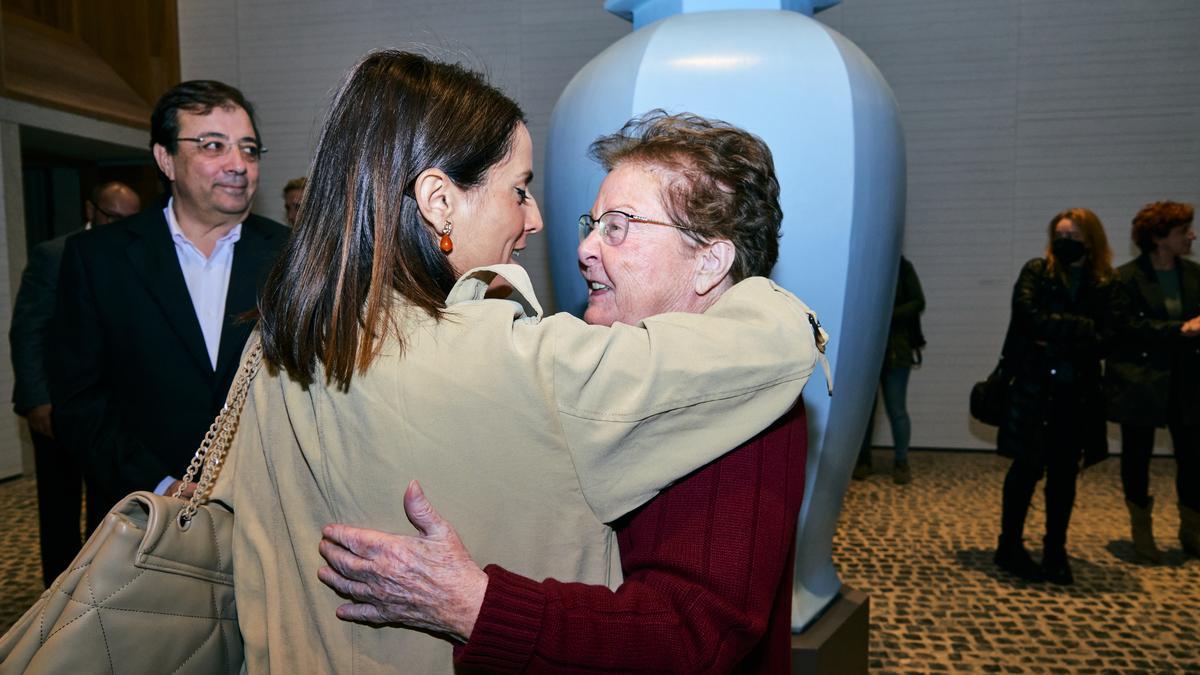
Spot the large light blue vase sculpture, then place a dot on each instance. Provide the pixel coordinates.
(833, 126)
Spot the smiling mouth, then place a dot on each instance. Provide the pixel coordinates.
(596, 287)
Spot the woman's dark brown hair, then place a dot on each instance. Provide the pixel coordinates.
(726, 186)
(1099, 255)
(1157, 219)
(360, 237)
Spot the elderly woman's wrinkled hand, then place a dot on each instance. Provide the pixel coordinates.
(427, 581)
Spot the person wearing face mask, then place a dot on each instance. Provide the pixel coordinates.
(1057, 335)
(1150, 378)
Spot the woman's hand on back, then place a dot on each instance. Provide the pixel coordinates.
(427, 581)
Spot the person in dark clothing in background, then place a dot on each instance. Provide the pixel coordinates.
(904, 344)
(293, 190)
(1152, 374)
(1056, 338)
(59, 478)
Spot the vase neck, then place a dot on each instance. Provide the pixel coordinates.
(642, 12)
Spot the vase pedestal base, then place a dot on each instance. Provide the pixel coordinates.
(837, 642)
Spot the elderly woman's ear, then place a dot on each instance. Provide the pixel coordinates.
(713, 263)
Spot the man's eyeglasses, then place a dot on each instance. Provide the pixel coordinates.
(110, 215)
(613, 226)
(215, 146)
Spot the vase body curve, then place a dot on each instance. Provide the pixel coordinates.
(834, 130)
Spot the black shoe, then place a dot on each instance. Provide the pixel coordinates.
(1016, 561)
(861, 471)
(1056, 568)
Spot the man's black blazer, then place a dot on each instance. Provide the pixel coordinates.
(30, 330)
(131, 382)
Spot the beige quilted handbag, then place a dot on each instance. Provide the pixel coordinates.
(152, 589)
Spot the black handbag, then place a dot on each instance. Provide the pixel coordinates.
(989, 398)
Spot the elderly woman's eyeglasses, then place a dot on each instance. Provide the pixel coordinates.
(613, 226)
(215, 146)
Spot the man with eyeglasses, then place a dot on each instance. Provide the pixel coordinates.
(147, 333)
(59, 480)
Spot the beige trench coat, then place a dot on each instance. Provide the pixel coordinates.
(529, 433)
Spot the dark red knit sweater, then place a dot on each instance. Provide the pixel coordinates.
(708, 579)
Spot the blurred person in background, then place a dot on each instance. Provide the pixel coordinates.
(903, 352)
(59, 477)
(1152, 376)
(292, 192)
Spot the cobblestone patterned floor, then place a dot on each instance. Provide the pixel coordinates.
(923, 553)
(20, 564)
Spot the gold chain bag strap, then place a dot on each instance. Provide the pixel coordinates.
(211, 455)
(152, 589)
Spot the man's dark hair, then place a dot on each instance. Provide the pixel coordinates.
(198, 97)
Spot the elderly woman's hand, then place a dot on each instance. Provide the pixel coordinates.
(427, 581)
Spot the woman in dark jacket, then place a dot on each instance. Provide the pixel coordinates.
(1152, 375)
(1055, 417)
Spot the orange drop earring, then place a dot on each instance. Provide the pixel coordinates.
(446, 243)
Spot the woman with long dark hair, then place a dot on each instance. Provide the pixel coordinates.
(387, 361)
(1056, 338)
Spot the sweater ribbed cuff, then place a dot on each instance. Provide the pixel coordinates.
(508, 626)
